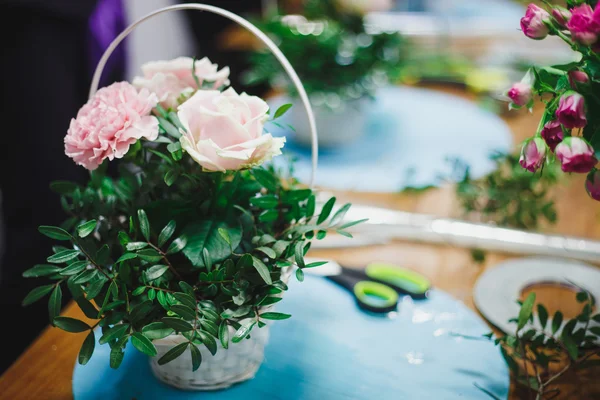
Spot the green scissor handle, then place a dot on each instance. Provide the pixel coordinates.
(375, 297)
(402, 279)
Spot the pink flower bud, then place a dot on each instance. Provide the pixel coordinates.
(552, 134)
(576, 77)
(533, 25)
(584, 25)
(520, 93)
(533, 154)
(571, 110)
(592, 184)
(561, 15)
(575, 155)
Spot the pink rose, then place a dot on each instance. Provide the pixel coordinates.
(225, 130)
(571, 110)
(362, 7)
(533, 154)
(552, 133)
(578, 77)
(575, 155)
(115, 118)
(584, 25)
(592, 184)
(561, 15)
(533, 23)
(520, 93)
(173, 81)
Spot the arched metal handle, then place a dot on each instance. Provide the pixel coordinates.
(250, 27)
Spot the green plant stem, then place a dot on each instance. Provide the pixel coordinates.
(164, 257)
(161, 289)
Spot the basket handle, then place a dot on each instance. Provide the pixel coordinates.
(250, 27)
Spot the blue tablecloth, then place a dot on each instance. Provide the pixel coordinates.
(330, 350)
(411, 136)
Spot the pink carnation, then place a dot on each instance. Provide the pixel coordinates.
(111, 121)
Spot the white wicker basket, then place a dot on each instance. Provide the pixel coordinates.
(238, 363)
(241, 360)
(229, 366)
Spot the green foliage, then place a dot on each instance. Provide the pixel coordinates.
(509, 196)
(334, 56)
(535, 348)
(194, 255)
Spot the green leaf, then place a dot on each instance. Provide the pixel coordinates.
(149, 255)
(224, 335)
(300, 275)
(582, 296)
(339, 215)
(41, 270)
(177, 245)
(315, 264)
(116, 357)
(542, 315)
(196, 357)
(268, 216)
(116, 332)
(74, 268)
(225, 235)
(87, 307)
(55, 303)
(70, 324)
(206, 258)
(156, 272)
(37, 294)
(352, 223)
(526, 310)
(205, 234)
(169, 128)
(54, 232)
(262, 270)
(87, 348)
(183, 311)
(274, 315)
(63, 187)
(282, 110)
(267, 301)
(140, 310)
(63, 256)
(344, 233)
(269, 252)
(85, 276)
(267, 202)
(178, 324)
(171, 177)
(157, 330)
(266, 179)
(571, 346)
(210, 327)
(326, 210)
(84, 230)
(208, 341)
(299, 254)
(243, 331)
(174, 147)
(144, 224)
(557, 321)
(173, 353)
(186, 299)
(310, 207)
(143, 344)
(133, 246)
(166, 233)
(125, 257)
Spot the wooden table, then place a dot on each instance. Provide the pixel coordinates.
(45, 370)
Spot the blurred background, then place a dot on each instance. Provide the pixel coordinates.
(409, 99)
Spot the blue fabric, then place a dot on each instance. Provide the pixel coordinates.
(330, 350)
(410, 137)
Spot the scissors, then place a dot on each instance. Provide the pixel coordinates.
(378, 286)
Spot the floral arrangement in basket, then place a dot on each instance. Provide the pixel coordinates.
(336, 57)
(569, 130)
(193, 234)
